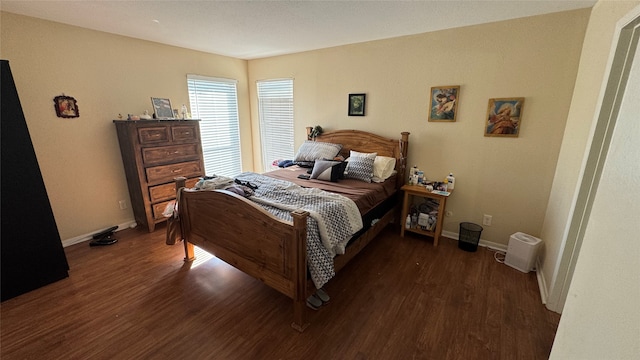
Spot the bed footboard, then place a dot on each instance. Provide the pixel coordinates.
(250, 239)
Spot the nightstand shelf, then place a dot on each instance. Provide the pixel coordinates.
(420, 191)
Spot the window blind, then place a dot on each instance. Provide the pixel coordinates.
(215, 102)
(275, 107)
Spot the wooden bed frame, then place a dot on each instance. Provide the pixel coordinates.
(225, 225)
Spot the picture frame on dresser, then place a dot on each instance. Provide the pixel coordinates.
(162, 108)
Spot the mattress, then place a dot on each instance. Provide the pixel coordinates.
(366, 195)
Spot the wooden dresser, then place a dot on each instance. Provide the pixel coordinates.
(154, 152)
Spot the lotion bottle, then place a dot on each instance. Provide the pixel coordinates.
(450, 182)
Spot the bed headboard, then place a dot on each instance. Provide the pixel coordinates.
(363, 141)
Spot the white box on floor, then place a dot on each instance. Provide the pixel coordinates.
(522, 251)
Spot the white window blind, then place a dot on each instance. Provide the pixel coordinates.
(215, 102)
(275, 106)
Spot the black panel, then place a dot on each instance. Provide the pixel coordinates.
(30, 245)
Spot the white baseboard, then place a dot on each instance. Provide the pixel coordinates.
(85, 237)
(484, 243)
(542, 284)
(502, 247)
(450, 235)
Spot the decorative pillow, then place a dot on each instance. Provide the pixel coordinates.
(327, 170)
(360, 166)
(311, 151)
(383, 167)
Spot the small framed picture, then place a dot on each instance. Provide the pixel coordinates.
(66, 107)
(444, 103)
(356, 104)
(162, 108)
(504, 117)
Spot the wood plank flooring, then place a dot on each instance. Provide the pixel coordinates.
(401, 298)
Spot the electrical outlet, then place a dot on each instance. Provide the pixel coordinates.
(486, 220)
(123, 204)
(448, 213)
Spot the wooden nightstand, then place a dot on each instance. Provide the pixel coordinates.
(421, 191)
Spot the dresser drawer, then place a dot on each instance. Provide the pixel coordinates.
(155, 155)
(167, 191)
(158, 209)
(166, 173)
(184, 133)
(153, 135)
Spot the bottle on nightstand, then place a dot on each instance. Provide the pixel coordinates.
(451, 181)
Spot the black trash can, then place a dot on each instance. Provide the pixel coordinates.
(469, 236)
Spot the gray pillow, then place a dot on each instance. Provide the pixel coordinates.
(327, 170)
(311, 151)
(360, 168)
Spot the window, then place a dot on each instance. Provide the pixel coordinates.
(215, 102)
(275, 107)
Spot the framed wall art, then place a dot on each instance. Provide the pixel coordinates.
(504, 117)
(444, 103)
(66, 106)
(162, 108)
(356, 104)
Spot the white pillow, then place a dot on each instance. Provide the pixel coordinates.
(383, 167)
(376, 179)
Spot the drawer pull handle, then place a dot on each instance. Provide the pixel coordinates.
(173, 153)
(176, 171)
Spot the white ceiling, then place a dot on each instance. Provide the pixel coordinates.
(256, 29)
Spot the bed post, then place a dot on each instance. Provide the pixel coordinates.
(300, 281)
(189, 254)
(402, 169)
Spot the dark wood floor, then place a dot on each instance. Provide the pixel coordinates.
(401, 298)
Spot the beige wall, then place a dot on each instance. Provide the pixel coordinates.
(107, 74)
(508, 178)
(600, 319)
(593, 63)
